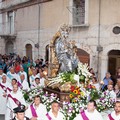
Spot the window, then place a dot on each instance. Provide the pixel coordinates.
(78, 12)
(10, 22)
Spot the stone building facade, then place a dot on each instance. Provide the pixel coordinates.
(29, 25)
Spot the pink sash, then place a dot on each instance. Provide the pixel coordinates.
(34, 114)
(3, 87)
(48, 116)
(17, 102)
(20, 85)
(110, 117)
(84, 115)
(9, 89)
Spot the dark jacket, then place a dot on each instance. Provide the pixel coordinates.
(25, 117)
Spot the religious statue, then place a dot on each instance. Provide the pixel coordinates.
(62, 54)
(65, 51)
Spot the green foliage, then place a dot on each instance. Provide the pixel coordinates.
(68, 77)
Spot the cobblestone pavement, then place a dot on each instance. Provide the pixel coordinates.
(2, 117)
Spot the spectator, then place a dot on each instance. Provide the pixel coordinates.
(106, 81)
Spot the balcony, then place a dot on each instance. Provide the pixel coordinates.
(7, 31)
(10, 3)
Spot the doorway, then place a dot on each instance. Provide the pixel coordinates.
(29, 51)
(113, 61)
(9, 47)
(83, 56)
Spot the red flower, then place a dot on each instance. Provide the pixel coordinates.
(72, 88)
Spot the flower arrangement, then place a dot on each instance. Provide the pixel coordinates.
(105, 102)
(46, 98)
(83, 72)
(79, 97)
(78, 76)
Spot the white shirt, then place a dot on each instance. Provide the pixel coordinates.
(24, 73)
(8, 80)
(19, 96)
(3, 100)
(92, 116)
(113, 115)
(34, 85)
(25, 85)
(40, 110)
(97, 86)
(11, 76)
(112, 94)
(32, 79)
(60, 116)
(42, 81)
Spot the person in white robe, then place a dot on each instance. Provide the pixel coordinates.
(13, 82)
(42, 81)
(54, 113)
(23, 72)
(36, 83)
(37, 110)
(111, 92)
(15, 98)
(11, 74)
(1, 74)
(32, 77)
(4, 90)
(115, 115)
(91, 113)
(24, 83)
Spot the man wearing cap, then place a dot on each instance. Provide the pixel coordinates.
(37, 110)
(115, 115)
(15, 98)
(20, 113)
(90, 114)
(54, 113)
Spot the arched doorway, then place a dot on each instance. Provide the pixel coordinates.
(9, 47)
(83, 56)
(113, 61)
(29, 50)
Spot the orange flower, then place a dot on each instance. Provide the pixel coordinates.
(93, 87)
(74, 100)
(75, 91)
(71, 96)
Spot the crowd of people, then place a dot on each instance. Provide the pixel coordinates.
(18, 74)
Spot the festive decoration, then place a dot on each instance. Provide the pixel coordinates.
(79, 98)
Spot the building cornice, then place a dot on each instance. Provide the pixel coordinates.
(12, 7)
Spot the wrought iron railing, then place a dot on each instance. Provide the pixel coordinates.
(7, 28)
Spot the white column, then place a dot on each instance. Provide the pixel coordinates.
(104, 66)
(70, 11)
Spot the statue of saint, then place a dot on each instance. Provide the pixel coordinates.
(65, 51)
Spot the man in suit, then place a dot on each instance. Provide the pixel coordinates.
(20, 113)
